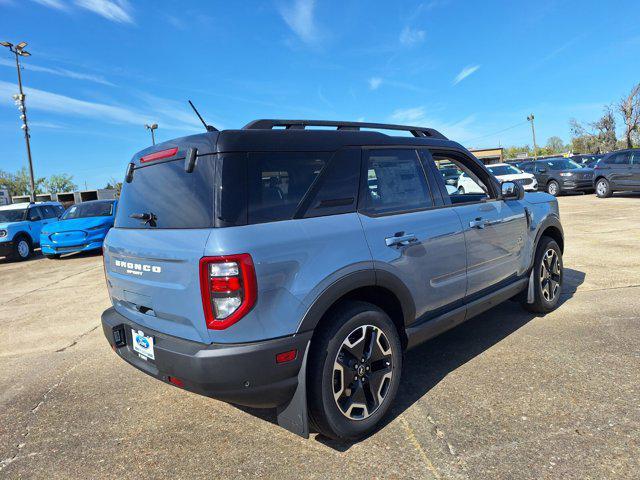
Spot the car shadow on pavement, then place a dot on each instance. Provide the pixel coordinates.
(426, 365)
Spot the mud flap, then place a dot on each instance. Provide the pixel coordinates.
(531, 296)
(294, 416)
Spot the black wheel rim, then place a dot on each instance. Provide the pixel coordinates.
(362, 372)
(550, 275)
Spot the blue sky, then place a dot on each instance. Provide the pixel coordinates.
(101, 69)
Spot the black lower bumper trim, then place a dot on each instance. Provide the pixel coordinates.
(244, 374)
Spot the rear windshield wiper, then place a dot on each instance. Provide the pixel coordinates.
(149, 218)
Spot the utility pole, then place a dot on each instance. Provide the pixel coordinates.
(19, 51)
(152, 127)
(533, 132)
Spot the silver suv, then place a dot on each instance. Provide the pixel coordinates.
(289, 267)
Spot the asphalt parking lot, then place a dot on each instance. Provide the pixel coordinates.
(506, 395)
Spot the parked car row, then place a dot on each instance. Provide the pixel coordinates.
(26, 226)
(603, 174)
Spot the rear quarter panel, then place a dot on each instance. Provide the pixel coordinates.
(295, 261)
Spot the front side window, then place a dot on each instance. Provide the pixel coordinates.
(34, 214)
(91, 209)
(395, 182)
(469, 187)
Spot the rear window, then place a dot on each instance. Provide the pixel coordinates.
(175, 198)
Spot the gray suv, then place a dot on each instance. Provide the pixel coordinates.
(288, 267)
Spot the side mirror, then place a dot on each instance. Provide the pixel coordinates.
(511, 191)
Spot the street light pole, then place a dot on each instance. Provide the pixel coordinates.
(152, 127)
(19, 51)
(533, 132)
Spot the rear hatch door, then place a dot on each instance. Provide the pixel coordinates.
(152, 254)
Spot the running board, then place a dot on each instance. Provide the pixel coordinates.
(429, 329)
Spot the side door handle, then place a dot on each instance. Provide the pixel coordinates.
(477, 223)
(400, 240)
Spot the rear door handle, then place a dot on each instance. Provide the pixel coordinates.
(400, 240)
(477, 223)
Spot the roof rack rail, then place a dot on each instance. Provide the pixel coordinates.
(268, 124)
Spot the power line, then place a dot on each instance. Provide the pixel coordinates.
(494, 133)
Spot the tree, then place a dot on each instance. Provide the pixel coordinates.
(629, 108)
(114, 184)
(60, 183)
(606, 130)
(18, 183)
(554, 145)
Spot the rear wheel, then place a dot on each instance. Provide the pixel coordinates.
(603, 188)
(22, 248)
(354, 371)
(553, 188)
(547, 277)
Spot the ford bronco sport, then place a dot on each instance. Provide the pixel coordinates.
(290, 267)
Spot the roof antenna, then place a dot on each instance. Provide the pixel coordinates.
(208, 127)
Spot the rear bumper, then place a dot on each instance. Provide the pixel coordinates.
(243, 374)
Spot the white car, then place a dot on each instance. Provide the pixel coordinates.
(503, 172)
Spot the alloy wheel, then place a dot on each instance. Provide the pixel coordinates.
(553, 189)
(601, 188)
(362, 372)
(550, 275)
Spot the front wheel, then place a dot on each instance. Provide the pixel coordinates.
(547, 277)
(603, 188)
(553, 188)
(22, 249)
(354, 371)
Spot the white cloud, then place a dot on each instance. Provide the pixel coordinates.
(57, 4)
(61, 72)
(418, 116)
(374, 83)
(114, 10)
(465, 72)
(299, 17)
(168, 114)
(411, 36)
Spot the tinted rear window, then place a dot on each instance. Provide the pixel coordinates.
(277, 183)
(177, 199)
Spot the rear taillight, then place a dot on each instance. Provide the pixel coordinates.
(229, 289)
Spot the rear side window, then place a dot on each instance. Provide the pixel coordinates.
(395, 182)
(278, 181)
(175, 198)
(622, 158)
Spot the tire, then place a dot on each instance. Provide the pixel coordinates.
(603, 188)
(547, 275)
(52, 256)
(553, 188)
(340, 387)
(22, 248)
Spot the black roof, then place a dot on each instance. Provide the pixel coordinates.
(294, 135)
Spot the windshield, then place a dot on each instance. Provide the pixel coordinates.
(504, 170)
(562, 164)
(92, 209)
(16, 215)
